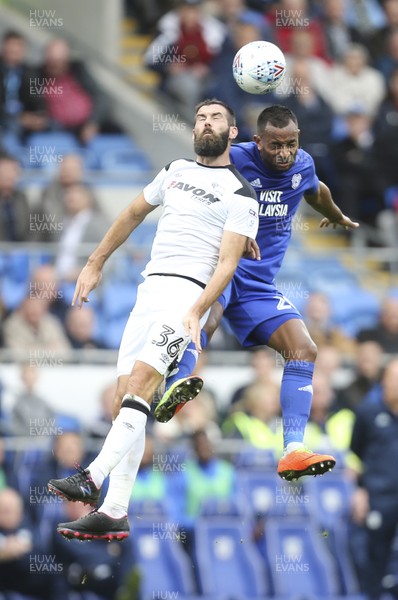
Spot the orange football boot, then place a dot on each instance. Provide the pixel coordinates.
(304, 462)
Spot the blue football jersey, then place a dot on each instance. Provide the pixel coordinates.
(278, 194)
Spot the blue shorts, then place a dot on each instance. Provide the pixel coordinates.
(248, 304)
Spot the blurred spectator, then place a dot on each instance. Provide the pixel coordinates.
(33, 330)
(21, 110)
(101, 571)
(288, 17)
(328, 361)
(318, 318)
(202, 413)
(263, 363)
(329, 429)
(182, 52)
(388, 61)
(72, 99)
(354, 82)
(360, 186)
(375, 503)
(152, 478)
(205, 477)
(377, 43)
(315, 118)
(14, 208)
(232, 12)
(256, 418)
(68, 450)
(20, 551)
(82, 225)
(386, 331)
(28, 405)
(386, 147)
(44, 283)
(338, 34)
(51, 206)
(366, 17)
(199, 414)
(302, 49)
(8, 477)
(80, 327)
(368, 370)
(100, 427)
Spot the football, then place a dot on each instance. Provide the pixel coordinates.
(259, 67)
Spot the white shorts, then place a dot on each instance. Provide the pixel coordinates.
(154, 333)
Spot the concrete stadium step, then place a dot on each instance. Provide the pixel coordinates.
(131, 61)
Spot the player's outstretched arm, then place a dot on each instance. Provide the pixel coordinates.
(323, 202)
(118, 233)
(231, 251)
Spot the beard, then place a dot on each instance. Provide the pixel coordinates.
(211, 145)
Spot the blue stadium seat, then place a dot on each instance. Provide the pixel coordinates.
(148, 508)
(124, 159)
(332, 279)
(45, 150)
(164, 564)
(110, 333)
(255, 459)
(117, 299)
(258, 490)
(227, 560)
(265, 494)
(354, 309)
(331, 505)
(216, 507)
(12, 293)
(391, 197)
(104, 143)
(144, 235)
(331, 497)
(110, 141)
(299, 560)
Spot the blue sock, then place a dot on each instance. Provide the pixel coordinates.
(296, 397)
(188, 360)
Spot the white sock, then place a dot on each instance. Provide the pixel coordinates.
(126, 429)
(121, 481)
(293, 446)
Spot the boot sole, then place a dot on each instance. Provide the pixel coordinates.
(87, 536)
(178, 396)
(316, 469)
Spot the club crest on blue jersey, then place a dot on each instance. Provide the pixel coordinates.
(296, 179)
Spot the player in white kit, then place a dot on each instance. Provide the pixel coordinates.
(210, 214)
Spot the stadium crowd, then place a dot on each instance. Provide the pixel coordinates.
(342, 83)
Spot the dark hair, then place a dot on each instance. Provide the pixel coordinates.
(277, 116)
(12, 34)
(209, 101)
(6, 156)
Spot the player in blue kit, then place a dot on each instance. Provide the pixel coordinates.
(258, 313)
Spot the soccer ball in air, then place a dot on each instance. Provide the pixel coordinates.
(259, 67)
